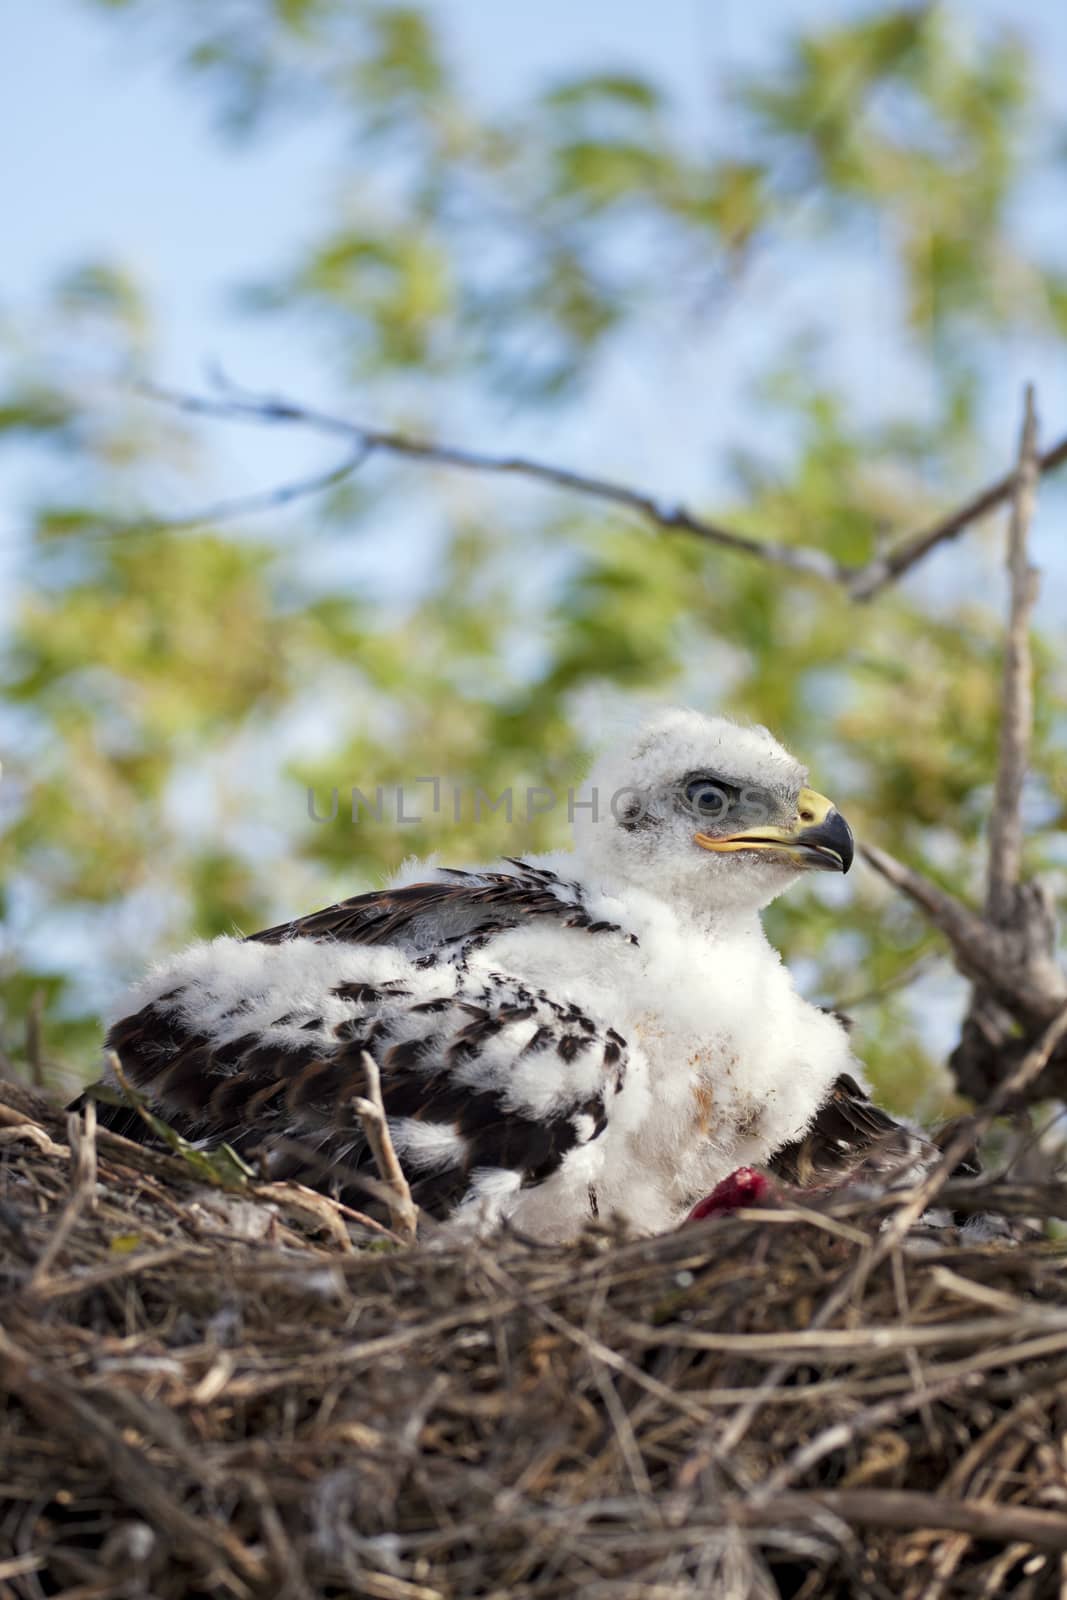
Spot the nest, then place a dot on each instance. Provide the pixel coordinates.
(246, 1392)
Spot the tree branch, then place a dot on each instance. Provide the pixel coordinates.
(910, 1511)
(972, 941)
(870, 579)
(1010, 953)
(858, 582)
(267, 409)
(1015, 966)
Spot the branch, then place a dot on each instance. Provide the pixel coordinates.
(858, 582)
(910, 1511)
(973, 943)
(1016, 717)
(367, 441)
(371, 1112)
(1016, 965)
(870, 579)
(1009, 953)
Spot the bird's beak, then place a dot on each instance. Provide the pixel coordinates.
(820, 840)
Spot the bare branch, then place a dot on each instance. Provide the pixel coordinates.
(367, 441)
(1016, 716)
(964, 929)
(859, 583)
(371, 1112)
(263, 500)
(910, 1511)
(1016, 966)
(870, 579)
(82, 1137)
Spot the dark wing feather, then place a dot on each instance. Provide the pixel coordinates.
(290, 1110)
(850, 1137)
(289, 1105)
(853, 1139)
(475, 905)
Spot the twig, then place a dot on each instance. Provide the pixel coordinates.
(262, 500)
(83, 1193)
(870, 579)
(1020, 913)
(909, 1510)
(370, 1109)
(859, 582)
(81, 1136)
(1016, 716)
(14, 1129)
(1009, 953)
(964, 929)
(19, 1566)
(314, 1203)
(841, 1434)
(915, 1202)
(367, 441)
(1026, 981)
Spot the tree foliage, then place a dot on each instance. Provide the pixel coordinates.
(173, 693)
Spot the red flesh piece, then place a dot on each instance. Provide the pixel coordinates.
(745, 1187)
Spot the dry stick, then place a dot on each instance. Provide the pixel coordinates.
(860, 583)
(909, 1511)
(81, 1137)
(366, 441)
(1006, 909)
(876, 575)
(83, 1193)
(403, 1212)
(978, 946)
(1007, 953)
(967, 932)
(846, 1432)
(916, 1202)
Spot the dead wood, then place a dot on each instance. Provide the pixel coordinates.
(212, 1391)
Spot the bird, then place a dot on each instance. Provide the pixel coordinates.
(603, 1032)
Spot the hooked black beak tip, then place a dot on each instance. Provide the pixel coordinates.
(832, 836)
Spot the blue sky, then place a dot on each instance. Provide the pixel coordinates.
(120, 159)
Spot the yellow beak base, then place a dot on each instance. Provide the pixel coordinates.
(819, 840)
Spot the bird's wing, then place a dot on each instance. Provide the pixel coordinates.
(479, 1073)
(429, 915)
(850, 1137)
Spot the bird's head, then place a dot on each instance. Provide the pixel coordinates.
(705, 811)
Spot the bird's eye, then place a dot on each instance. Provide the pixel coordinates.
(711, 797)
